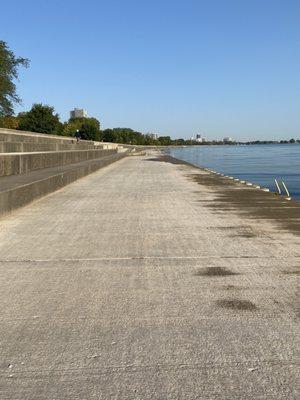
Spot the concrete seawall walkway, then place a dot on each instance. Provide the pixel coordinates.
(130, 284)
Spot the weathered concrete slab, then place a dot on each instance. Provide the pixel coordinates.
(34, 138)
(11, 135)
(19, 190)
(246, 201)
(126, 285)
(22, 163)
(25, 147)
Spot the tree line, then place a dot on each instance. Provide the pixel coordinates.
(43, 118)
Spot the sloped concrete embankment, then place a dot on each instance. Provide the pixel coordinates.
(33, 165)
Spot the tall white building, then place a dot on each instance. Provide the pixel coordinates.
(153, 136)
(200, 138)
(78, 113)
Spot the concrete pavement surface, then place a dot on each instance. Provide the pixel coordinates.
(128, 284)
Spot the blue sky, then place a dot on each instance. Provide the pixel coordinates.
(217, 67)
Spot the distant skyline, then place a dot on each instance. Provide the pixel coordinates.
(219, 67)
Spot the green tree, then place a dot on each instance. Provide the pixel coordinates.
(119, 135)
(165, 140)
(41, 118)
(70, 127)
(9, 65)
(127, 135)
(9, 122)
(89, 128)
(178, 142)
(108, 135)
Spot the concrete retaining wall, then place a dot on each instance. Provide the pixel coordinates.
(10, 135)
(15, 136)
(27, 147)
(34, 164)
(22, 163)
(22, 195)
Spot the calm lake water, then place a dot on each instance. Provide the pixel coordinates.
(256, 163)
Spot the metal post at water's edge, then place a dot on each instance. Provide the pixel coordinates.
(278, 187)
(286, 190)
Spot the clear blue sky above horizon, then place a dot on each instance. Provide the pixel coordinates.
(218, 67)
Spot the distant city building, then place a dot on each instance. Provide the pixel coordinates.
(153, 136)
(200, 139)
(228, 140)
(78, 113)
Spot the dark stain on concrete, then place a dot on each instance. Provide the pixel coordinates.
(169, 159)
(254, 204)
(230, 287)
(245, 235)
(237, 304)
(234, 197)
(214, 271)
(297, 272)
(242, 231)
(233, 287)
